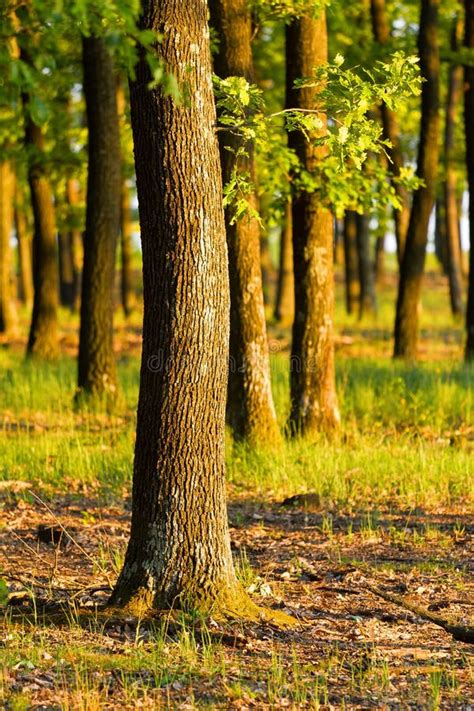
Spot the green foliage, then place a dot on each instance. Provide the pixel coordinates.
(340, 120)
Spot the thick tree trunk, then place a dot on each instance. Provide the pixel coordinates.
(23, 238)
(285, 300)
(454, 265)
(351, 262)
(368, 301)
(7, 194)
(381, 31)
(469, 123)
(97, 370)
(43, 338)
(312, 372)
(127, 292)
(250, 409)
(179, 550)
(411, 271)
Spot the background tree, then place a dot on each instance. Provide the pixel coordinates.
(411, 271)
(351, 262)
(382, 35)
(43, 338)
(453, 238)
(312, 375)
(127, 291)
(250, 408)
(285, 296)
(23, 237)
(97, 372)
(7, 192)
(469, 123)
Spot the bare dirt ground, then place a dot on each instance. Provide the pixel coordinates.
(350, 648)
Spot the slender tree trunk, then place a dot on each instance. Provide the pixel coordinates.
(126, 246)
(7, 303)
(285, 301)
(312, 372)
(454, 266)
(97, 370)
(43, 338)
(391, 132)
(368, 301)
(339, 242)
(411, 271)
(379, 261)
(179, 550)
(66, 269)
(23, 238)
(469, 123)
(127, 291)
(250, 409)
(440, 236)
(351, 262)
(75, 239)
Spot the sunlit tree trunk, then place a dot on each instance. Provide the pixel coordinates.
(250, 408)
(7, 302)
(285, 300)
(381, 30)
(23, 238)
(43, 338)
(440, 236)
(126, 252)
(127, 292)
(97, 370)
(469, 131)
(312, 373)
(411, 271)
(179, 550)
(454, 265)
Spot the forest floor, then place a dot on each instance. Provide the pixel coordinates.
(387, 505)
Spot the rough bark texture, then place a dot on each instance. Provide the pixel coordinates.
(285, 298)
(179, 550)
(250, 409)
(126, 284)
(43, 338)
(469, 123)
(454, 260)
(351, 262)
(381, 30)
(23, 238)
(312, 373)
(411, 270)
(97, 371)
(7, 194)
(368, 301)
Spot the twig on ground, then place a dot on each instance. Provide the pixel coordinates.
(461, 633)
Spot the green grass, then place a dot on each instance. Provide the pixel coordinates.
(402, 439)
